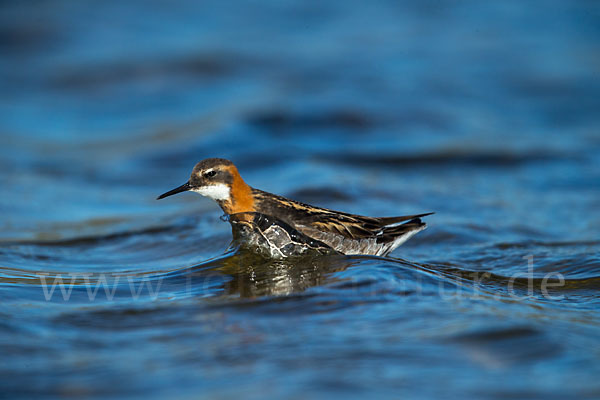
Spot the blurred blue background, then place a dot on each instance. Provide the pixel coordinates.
(485, 112)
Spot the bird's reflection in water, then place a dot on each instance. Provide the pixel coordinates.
(268, 257)
(254, 276)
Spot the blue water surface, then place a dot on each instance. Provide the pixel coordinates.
(485, 112)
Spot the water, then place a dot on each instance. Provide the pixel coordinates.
(484, 112)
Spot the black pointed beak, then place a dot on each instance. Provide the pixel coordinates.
(183, 188)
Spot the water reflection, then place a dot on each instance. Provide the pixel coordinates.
(253, 276)
(270, 258)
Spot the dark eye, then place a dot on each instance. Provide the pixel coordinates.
(210, 174)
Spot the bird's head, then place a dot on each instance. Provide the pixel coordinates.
(220, 180)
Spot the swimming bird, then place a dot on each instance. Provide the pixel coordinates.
(219, 179)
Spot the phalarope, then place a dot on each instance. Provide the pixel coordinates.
(285, 223)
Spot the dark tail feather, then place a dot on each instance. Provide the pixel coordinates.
(390, 234)
(409, 218)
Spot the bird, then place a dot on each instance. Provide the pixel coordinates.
(345, 233)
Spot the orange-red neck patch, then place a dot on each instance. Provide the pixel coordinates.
(241, 199)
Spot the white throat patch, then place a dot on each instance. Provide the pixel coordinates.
(215, 192)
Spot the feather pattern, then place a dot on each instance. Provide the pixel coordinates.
(344, 232)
